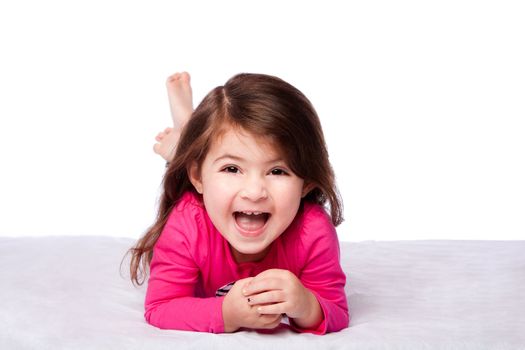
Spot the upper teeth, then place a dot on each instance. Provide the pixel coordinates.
(252, 212)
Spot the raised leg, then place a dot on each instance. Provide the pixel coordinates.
(181, 106)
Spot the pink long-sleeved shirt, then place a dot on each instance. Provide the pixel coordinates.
(191, 260)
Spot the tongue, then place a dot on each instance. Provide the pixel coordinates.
(250, 222)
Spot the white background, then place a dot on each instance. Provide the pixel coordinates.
(422, 104)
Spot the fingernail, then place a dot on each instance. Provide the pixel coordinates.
(249, 299)
(244, 291)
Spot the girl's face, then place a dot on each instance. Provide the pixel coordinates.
(249, 192)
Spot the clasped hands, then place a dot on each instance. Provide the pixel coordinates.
(260, 302)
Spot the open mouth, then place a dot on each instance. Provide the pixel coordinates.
(251, 221)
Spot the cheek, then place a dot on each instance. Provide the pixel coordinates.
(289, 198)
(216, 192)
(290, 191)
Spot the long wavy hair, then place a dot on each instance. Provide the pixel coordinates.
(264, 106)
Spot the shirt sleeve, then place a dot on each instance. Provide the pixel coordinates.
(170, 298)
(322, 273)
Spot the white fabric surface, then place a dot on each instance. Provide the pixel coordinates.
(68, 293)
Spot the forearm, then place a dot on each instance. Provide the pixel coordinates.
(187, 313)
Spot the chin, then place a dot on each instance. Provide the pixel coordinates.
(250, 250)
(250, 253)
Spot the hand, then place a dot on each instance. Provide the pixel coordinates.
(275, 292)
(237, 312)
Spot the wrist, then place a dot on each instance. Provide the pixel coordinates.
(230, 328)
(228, 317)
(313, 317)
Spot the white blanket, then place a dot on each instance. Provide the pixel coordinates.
(68, 293)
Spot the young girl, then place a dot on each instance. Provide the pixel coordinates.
(242, 239)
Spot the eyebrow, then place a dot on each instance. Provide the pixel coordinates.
(240, 159)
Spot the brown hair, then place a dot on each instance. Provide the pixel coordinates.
(264, 106)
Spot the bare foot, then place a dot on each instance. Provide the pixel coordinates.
(167, 141)
(180, 97)
(181, 106)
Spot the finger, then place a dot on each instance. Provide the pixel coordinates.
(237, 288)
(262, 285)
(272, 309)
(270, 297)
(270, 273)
(242, 283)
(279, 278)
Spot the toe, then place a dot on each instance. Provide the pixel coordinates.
(173, 77)
(185, 76)
(156, 148)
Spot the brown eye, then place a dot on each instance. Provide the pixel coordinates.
(278, 172)
(231, 169)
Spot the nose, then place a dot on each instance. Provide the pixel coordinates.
(254, 189)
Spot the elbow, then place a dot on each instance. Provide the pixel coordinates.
(346, 317)
(151, 316)
(342, 321)
(148, 316)
(346, 323)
